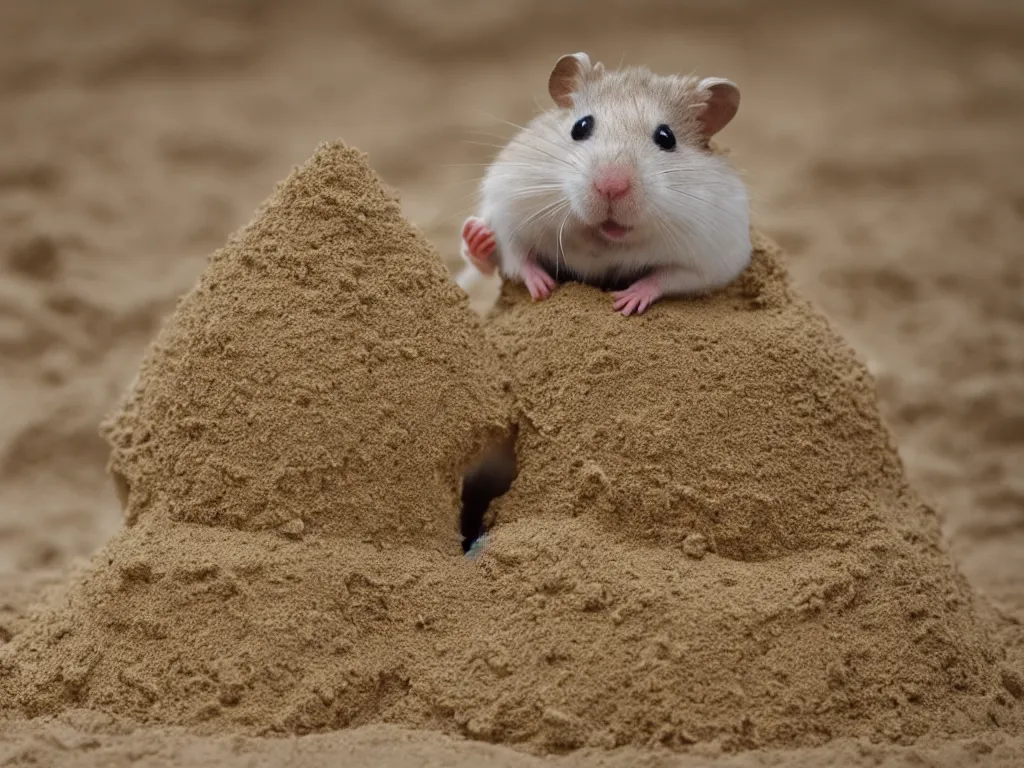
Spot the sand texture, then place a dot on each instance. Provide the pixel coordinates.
(706, 499)
(748, 530)
(324, 371)
(83, 739)
(737, 508)
(343, 462)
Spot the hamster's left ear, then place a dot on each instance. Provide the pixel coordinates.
(723, 102)
(570, 73)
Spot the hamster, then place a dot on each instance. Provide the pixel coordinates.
(616, 187)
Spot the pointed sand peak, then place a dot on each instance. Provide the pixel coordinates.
(324, 372)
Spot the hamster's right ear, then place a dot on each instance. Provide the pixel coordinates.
(570, 73)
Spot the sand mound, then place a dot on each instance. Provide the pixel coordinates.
(325, 377)
(710, 539)
(323, 370)
(725, 493)
(742, 420)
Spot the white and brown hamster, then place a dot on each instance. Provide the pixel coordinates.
(616, 187)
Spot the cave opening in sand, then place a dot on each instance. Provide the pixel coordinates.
(486, 480)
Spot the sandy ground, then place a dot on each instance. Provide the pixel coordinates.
(881, 143)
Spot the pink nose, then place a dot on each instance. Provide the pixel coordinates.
(612, 183)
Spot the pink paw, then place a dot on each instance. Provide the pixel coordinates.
(538, 282)
(478, 244)
(638, 297)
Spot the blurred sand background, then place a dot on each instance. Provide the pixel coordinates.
(881, 140)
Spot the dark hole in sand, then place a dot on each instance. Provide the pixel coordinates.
(486, 480)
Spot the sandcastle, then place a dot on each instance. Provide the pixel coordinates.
(710, 538)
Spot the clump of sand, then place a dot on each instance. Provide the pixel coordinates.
(710, 539)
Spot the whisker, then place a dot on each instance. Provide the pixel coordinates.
(704, 201)
(678, 238)
(525, 145)
(563, 160)
(479, 165)
(526, 131)
(465, 204)
(482, 144)
(545, 211)
(561, 246)
(752, 195)
(706, 225)
(506, 139)
(690, 171)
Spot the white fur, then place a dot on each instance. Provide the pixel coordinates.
(689, 209)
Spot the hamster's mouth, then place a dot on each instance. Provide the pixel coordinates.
(613, 230)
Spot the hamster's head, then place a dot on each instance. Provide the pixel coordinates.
(635, 152)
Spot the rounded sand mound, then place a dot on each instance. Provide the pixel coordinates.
(740, 419)
(710, 538)
(723, 501)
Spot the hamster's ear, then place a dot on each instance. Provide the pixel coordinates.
(723, 101)
(570, 72)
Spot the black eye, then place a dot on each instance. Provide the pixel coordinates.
(582, 128)
(664, 138)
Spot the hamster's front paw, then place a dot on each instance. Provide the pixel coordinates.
(478, 244)
(638, 297)
(538, 282)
